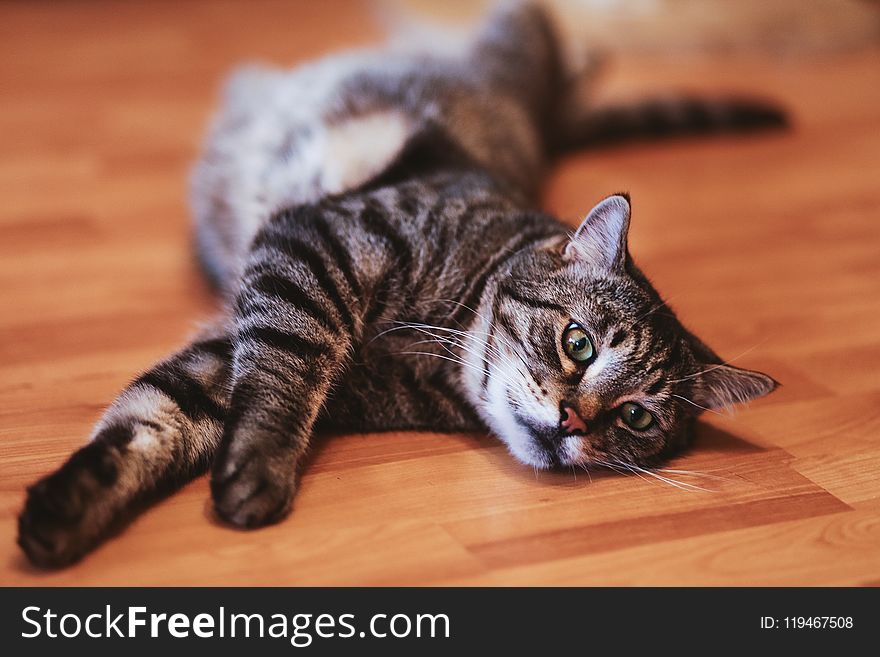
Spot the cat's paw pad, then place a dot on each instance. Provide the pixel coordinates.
(49, 526)
(66, 512)
(251, 493)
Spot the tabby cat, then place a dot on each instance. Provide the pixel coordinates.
(371, 220)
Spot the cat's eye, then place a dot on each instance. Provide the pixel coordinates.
(635, 417)
(577, 343)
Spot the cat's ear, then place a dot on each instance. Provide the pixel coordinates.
(600, 240)
(722, 386)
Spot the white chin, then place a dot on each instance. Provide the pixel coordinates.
(530, 454)
(528, 451)
(520, 442)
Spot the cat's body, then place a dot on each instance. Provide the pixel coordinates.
(371, 222)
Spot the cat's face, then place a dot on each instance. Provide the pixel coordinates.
(587, 365)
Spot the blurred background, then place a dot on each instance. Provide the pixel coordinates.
(766, 245)
(663, 27)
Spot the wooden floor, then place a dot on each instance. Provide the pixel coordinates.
(769, 247)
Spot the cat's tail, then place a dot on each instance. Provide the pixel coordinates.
(660, 118)
(160, 432)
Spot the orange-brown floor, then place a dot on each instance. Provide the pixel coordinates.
(768, 246)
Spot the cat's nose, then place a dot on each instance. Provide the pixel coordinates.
(569, 420)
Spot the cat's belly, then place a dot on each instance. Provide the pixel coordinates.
(284, 138)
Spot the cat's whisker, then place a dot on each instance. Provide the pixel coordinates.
(508, 361)
(669, 480)
(493, 332)
(424, 330)
(693, 403)
(612, 466)
(484, 371)
(386, 332)
(481, 316)
(473, 311)
(403, 326)
(504, 369)
(465, 306)
(639, 471)
(435, 355)
(682, 484)
(629, 468)
(693, 473)
(491, 348)
(498, 332)
(485, 334)
(459, 361)
(631, 472)
(427, 327)
(635, 472)
(722, 364)
(442, 340)
(587, 470)
(507, 376)
(444, 343)
(677, 483)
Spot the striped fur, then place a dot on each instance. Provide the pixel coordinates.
(661, 118)
(160, 432)
(370, 221)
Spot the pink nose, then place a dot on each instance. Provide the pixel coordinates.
(570, 421)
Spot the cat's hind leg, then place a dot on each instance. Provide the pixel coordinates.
(160, 432)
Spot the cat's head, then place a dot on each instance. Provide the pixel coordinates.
(586, 363)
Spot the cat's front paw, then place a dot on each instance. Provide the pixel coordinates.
(51, 527)
(68, 511)
(250, 491)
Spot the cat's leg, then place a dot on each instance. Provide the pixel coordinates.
(281, 381)
(160, 432)
(518, 50)
(299, 315)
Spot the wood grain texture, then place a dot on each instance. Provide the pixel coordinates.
(768, 246)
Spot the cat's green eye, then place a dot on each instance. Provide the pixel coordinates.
(635, 416)
(577, 343)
